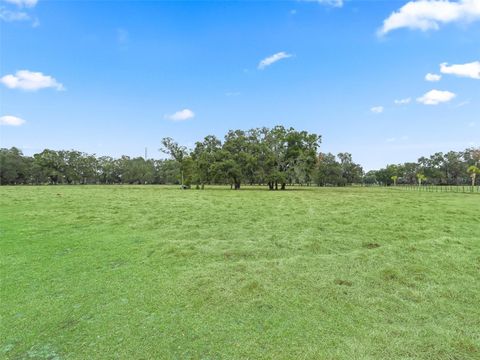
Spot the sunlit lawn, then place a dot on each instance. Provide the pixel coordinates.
(139, 272)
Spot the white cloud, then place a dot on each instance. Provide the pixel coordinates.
(470, 70)
(433, 77)
(429, 14)
(390, 140)
(472, 124)
(273, 59)
(23, 3)
(9, 120)
(181, 115)
(335, 3)
(403, 101)
(377, 109)
(30, 81)
(9, 16)
(435, 97)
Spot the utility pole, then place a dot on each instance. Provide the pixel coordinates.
(145, 154)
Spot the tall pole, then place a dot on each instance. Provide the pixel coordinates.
(145, 154)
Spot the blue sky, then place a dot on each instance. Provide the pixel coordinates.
(117, 76)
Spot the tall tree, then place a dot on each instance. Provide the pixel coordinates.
(473, 171)
(204, 156)
(180, 154)
(14, 167)
(351, 172)
(52, 164)
(329, 171)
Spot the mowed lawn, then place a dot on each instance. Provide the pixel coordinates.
(152, 272)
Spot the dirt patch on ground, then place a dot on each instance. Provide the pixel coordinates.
(343, 282)
(371, 245)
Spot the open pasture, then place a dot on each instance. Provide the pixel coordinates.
(122, 272)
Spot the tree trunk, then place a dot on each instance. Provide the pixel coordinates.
(237, 185)
(283, 186)
(270, 185)
(276, 185)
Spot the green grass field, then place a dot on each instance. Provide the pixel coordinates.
(149, 272)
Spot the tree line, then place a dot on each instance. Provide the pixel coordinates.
(274, 157)
(75, 167)
(451, 168)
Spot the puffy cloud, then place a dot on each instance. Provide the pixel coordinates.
(435, 97)
(433, 77)
(181, 115)
(9, 15)
(403, 101)
(429, 14)
(273, 59)
(23, 3)
(377, 109)
(30, 81)
(470, 70)
(9, 120)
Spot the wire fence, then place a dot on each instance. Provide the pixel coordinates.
(440, 188)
